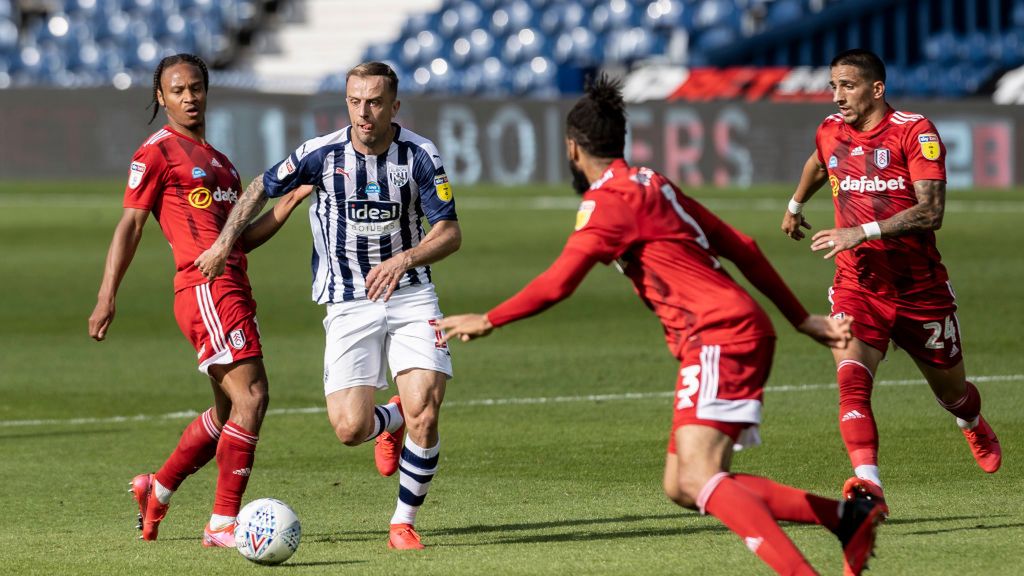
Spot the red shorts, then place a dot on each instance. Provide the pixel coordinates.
(924, 324)
(722, 386)
(219, 319)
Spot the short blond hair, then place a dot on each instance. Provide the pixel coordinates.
(376, 69)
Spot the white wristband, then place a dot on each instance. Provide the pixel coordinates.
(795, 207)
(871, 230)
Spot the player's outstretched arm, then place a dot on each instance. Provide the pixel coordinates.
(211, 262)
(126, 239)
(831, 332)
(924, 216)
(264, 228)
(465, 327)
(443, 239)
(812, 178)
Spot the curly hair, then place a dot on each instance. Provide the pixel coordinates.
(597, 122)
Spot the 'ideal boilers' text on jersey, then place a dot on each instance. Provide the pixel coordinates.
(665, 242)
(872, 177)
(190, 188)
(367, 209)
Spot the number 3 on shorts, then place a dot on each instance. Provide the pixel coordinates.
(688, 386)
(935, 341)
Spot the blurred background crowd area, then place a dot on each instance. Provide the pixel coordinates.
(522, 48)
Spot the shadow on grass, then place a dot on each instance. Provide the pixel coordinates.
(912, 520)
(319, 563)
(964, 528)
(579, 534)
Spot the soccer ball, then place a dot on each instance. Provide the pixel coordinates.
(268, 531)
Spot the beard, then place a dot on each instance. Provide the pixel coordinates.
(579, 180)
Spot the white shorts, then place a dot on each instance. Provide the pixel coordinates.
(365, 338)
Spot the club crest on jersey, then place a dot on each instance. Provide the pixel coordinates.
(833, 161)
(858, 151)
(198, 172)
(398, 176)
(930, 146)
(200, 198)
(882, 158)
(237, 339)
(584, 212)
(135, 174)
(444, 189)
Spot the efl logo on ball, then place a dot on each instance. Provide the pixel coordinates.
(268, 531)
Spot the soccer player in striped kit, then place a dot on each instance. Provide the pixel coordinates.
(669, 246)
(375, 183)
(190, 188)
(887, 173)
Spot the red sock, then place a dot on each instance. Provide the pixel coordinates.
(196, 447)
(792, 504)
(966, 408)
(235, 453)
(856, 421)
(747, 515)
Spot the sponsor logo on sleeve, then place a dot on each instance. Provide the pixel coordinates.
(398, 176)
(444, 189)
(200, 198)
(882, 158)
(834, 183)
(930, 146)
(583, 214)
(285, 169)
(833, 161)
(234, 173)
(237, 338)
(198, 172)
(135, 174)
(215, 163)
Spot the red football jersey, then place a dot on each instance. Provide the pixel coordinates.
(190, 188)
(668, 245)
(871, 175)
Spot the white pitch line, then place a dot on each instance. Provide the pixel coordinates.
(188, 414)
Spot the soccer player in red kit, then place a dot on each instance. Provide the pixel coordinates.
(669, 246)
(887, 172)
(190, 188)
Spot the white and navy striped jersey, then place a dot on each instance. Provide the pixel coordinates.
(367, 208)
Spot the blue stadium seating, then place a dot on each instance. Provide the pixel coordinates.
(538, 47)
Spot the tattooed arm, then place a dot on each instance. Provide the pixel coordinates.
(211, 263)
(924, 216)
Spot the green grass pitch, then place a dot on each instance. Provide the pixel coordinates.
(570, 485)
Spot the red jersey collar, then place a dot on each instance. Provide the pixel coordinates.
(189, 138)
(617, 164)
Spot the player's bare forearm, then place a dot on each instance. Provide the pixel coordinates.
(249, 205)
(444, 238)
(924, 216)
(812, 177)
(122, 249)
(264, 228)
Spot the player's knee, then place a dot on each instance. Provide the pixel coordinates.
(351, 432)
(423, 423)
(675, 492)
